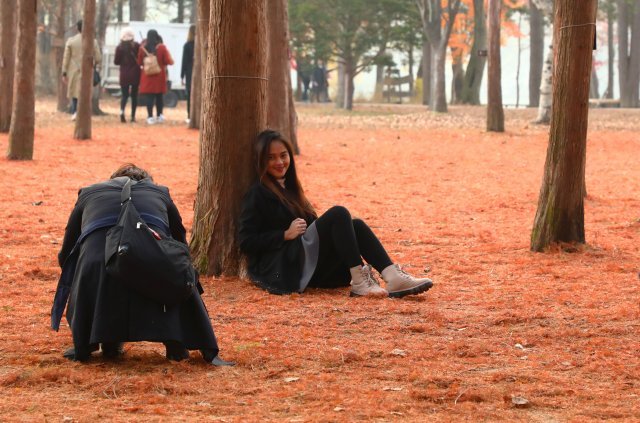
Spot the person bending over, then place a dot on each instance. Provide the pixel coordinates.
(289, 248)
(106, 312)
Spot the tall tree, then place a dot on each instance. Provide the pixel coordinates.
(58, 52)
(536, 53)
(437, 25)
(279, 98)
(137, 10)
(83, 121)
(629, 52)
(546, 84)
(495, 113)
(234, 112)
(426, 72)
(199, 63)
(7, 60)
(560, 214)
(475, 69)
(21, 132)
(609, 6)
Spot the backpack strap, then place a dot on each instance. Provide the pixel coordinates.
(126, 191)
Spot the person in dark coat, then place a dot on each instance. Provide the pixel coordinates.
(187, 66)
(289, 248)
(126, 57)
(102, 311)
(154, 86)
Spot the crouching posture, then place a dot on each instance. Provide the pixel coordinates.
(289, 248)
(103, 312)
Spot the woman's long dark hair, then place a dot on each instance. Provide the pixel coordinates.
(153, 39)
(293, 194)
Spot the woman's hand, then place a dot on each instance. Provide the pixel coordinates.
(297, 228)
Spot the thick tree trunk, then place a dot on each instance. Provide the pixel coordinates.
(475, 69)
(629, 53)
(58, 48)
(199, 62)
(137, 10)
(426, 72)
(234, 112)
(44, 74)
(180, 17)
(7, 60)
(610, 51)
(21, 132)
(83, 120)
(536, 53)
(340, 95)
(349, 76)
(279, 85)
(439, 97)
(457, 82)
(560, 214)
(495, 113)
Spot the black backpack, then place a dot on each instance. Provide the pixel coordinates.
(156, 266)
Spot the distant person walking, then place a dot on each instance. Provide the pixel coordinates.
(154, 58)
(187, 66)
(72, 66)
(127, 58)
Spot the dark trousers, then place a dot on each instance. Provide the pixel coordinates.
(158, 101)
(129, 90)
(187, 87)
(344, 242)
(74, 105)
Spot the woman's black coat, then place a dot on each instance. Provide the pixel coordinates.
(274, 264)
(103, 310)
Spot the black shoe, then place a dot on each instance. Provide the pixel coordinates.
(80, 353)
(122, 119)
(176, 351)
(112, 349)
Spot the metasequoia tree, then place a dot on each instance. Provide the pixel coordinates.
(437, 25)
(546, 84)
(21, 132)
(199, 63)
(137, 10)
(495, 113)
(58, 53)
(7, 60)
(629, 52)
(475, 69)
(609, 7)
(560, 214)
(281, 114)
(83, 121)
(233, 113)
(536, 53)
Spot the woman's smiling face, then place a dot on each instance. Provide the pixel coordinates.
(278, 160)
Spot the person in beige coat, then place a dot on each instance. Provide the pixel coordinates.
(71, 66)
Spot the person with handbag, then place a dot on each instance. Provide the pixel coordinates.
(290, 248)
(154, 57)
(126, 56)
(104, 311)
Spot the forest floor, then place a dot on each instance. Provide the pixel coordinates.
(502, 325)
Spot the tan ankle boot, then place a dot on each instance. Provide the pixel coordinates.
(400, 283)
(363, 283)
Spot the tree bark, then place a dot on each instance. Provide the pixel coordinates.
(83, 121)
(340, 94)
(137, 10)
(594, 89)
(180, 17)
(457, 82)
(58, 47)
(629, 53)
(426, 72)
(560, 214)
(7, 60)
(234, 112)
(199, 63)
(279, 85)
(44, 73)
(21, 132)
(536, 53)
(546, 89)
(610, 51)
(495, 113)
(475, 69)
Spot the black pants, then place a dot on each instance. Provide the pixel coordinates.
(187, 87)
(157, 100)
(74, 105)
(344, 242)
(129, 90)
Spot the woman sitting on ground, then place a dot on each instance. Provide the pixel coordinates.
(289, 248)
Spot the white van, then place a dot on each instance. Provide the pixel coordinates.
(174, 35)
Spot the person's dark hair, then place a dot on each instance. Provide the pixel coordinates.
(153, 39)
(294, 197)
(132, 171)
(79, 25)
(192, 33)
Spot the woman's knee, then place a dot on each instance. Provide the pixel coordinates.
(339, 212)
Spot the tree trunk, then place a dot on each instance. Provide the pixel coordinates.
(7, 60)
(21, 132)
(611, 51)
(137, 10)
(536, 53)
(193, 11)
(560, 214)
(426, 72)
(199, 76)
(594, 89)
(44, 74)
(457, 82)
(340, 95)
(495, 113)
(349, 76)
(475, 69)
(83, 120)
(546, 87)
(234, 112)
(439, 97)
(120, 12)
(629, 53)
(58, 47)
(180, 17)
(279, 85)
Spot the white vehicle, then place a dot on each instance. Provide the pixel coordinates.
(174, 35)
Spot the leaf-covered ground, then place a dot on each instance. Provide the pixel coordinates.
(503, 325)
